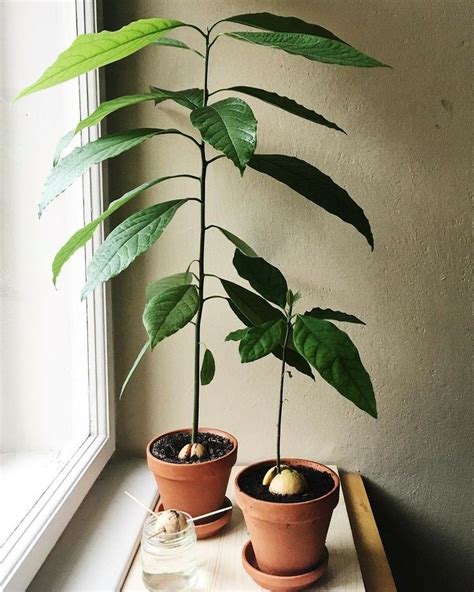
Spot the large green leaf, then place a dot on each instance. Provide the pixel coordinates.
(261, 340)
(176, 43)
(191, 98)
(129, 239)
(313, 184)
(135, 365)
(300, 38)
(286, 104)
(108, 107)
(334, 315)
(81, 159)
(94, 50)
(280, 24)
(252, 306)
(169, 311)
(236, 241)
(80, 238)
(266, 279)
(255, 314)
(230, 127)
(331, 352)
(170, 281)
(208, 368)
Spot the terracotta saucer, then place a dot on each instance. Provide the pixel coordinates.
(208, 527)
(281, 583)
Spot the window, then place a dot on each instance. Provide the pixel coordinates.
(56, 415)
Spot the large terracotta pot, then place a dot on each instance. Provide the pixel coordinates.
(288, 539)
(195, 488)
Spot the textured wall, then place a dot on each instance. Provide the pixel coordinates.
(405, 160)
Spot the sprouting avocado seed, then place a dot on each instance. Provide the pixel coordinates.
(288, 482)
(170, 522)
(185, 452)
(270, 474)
(198, 450)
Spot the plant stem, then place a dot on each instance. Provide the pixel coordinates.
(202, 275)
(282, 385)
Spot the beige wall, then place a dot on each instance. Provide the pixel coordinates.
(406, 161)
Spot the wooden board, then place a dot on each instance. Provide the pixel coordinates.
(220, 568)
(372, 559)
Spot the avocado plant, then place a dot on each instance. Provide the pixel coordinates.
(229, 127)
(311, 335)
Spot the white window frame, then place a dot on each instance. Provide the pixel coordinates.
(32, 541)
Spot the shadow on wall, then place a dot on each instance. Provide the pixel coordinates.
(412, 540)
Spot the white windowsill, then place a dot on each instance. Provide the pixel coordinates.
(95, 551)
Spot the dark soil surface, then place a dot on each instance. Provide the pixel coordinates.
(167, 447)
(319, 483)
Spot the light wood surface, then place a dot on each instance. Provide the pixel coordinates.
(372, 559)
(220, 568)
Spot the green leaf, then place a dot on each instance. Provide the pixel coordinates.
(81, 159)
(335, 357)
(191, 98)
(171, 281)
(286, 104)
(236, 241)
(129, 239)
(319, 49)
(169, 42)
(208, 368)
(254, 314)
(95, 50)
(280, 24)
(135, 365)
(266, 279)
(334, 315)
(236, 335)
(313, 184)
(80, 238)
(292, 297)
(169, 311)
(108, 107)
(253, 307)
(230, 127)
(261, 340)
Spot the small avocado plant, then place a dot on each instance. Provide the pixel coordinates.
(312, 334)
(229, 127)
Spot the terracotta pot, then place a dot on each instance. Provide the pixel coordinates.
(288, 539)
(195, 488)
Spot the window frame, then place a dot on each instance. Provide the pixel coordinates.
(32, 541)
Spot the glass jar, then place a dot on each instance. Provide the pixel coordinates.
(169, 561)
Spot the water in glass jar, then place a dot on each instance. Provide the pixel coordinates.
(168, 561)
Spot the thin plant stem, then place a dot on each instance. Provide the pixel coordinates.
(282, 386)
(215, 157)
(197, 344)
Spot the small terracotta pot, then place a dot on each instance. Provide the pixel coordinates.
(195, 488)
(288, 539)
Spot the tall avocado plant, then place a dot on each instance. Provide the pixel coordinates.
(230, 127)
